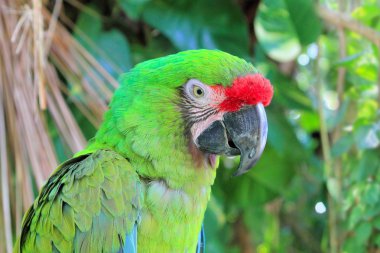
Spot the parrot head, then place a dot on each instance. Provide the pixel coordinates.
(228, 120)
(204, 103)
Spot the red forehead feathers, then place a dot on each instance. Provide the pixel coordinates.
(247, 90)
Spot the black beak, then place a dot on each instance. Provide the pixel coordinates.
(241, 133)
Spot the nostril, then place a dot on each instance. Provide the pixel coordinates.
(231, 143)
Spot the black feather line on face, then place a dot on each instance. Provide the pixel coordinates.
(191, 111)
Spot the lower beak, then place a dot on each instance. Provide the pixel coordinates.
(241, 133)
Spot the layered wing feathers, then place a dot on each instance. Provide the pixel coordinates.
(90, 204)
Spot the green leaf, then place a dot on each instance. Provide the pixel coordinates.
(351, 245)
(200, 24)
(243, 196)
(342, 145)
(376, 223)
(309, 121)
(367, 14)
(282, 138)
(276, 32)
(306, 22)
(372, 194)
(366, 137)
(110, 48)
(367, 113)
(284, 26)
(369, 165)
(363, 232)
(355, 216)
(157, 47)
(371, 211)
(273, 171)
(133, 8)
(367, 71)
(288, 94)
(215, 227)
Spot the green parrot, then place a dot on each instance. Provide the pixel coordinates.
(143, 182)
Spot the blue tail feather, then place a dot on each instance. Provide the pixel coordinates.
(201, 241)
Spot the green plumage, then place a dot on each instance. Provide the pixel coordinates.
(86, 195)
(137, 169)
(88, 205)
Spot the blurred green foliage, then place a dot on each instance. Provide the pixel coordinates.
(272, 208)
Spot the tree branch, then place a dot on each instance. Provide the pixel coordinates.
(328, 162)
(345, 21)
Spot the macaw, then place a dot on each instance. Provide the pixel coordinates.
(143, 182)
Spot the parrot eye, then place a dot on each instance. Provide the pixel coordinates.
(198, 91)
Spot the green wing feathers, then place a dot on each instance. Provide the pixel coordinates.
(89, 205)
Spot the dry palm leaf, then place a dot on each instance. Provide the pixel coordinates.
(38, 56)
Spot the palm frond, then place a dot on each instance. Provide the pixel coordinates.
(39, 58)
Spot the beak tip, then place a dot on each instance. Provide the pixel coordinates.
(245, 166)
(238, 173)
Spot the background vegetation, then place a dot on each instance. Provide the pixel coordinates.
(317, 186)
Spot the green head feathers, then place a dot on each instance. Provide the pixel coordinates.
(209, 66)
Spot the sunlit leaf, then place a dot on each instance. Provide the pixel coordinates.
(283, 26)
(309, 121)
(367, 14)
(276, 32)
(367, 71)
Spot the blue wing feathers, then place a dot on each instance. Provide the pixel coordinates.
(130, 242)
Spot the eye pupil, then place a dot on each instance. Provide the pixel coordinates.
(198, 91)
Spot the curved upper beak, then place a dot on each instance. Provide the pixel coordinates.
(243, 133)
